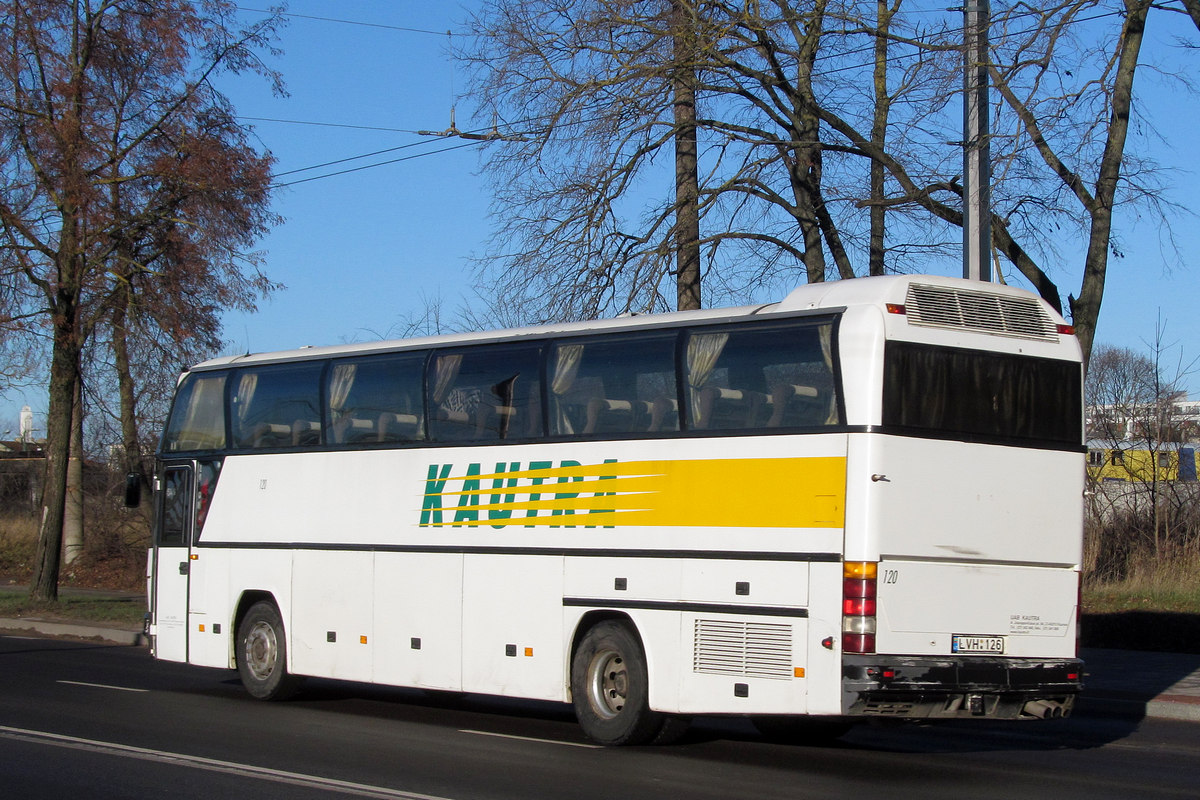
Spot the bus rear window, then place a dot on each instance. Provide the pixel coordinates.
(982, 396)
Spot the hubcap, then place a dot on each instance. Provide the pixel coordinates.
(608, 683)
(262, 651)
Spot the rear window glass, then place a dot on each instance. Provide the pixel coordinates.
(984, 396)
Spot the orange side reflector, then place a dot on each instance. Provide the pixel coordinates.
(362, 640)
(528, 652)
(202, 629)
(799, 671)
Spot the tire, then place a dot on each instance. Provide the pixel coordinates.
(610, 690)
(262, 654)
(801, 730)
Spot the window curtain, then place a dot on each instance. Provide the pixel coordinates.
(444, 373)
(825, 334)
(566, 366)
(703, 352)
(339, 387)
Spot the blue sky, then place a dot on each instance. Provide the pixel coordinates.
(363, 251)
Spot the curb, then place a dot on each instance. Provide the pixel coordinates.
(73, 630)
(1127, 705)
(1167, 706)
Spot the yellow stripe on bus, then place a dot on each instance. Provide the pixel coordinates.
(742, 492)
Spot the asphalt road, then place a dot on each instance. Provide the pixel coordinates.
(91, 721)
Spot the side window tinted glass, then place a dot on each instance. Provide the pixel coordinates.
(768, 376)
(485, 393)
(198, 416)
(374, 400)
(176, 503)
(277, 406)
(613, 386)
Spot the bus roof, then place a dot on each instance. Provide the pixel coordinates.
(830, 296)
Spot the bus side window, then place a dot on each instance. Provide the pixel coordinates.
(769, 376)
(617, 385)
(376, 399)
(484, 394)
(277, 406)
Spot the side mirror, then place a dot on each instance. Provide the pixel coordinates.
(133, 490)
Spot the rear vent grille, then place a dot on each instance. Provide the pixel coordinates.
(1003, 315)
(752, 649)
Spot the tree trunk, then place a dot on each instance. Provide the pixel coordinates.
(687, 180)
(130, 441)
(806, 169)
(64, 374)
(883, 103)
(1086, 308)
(73, 506)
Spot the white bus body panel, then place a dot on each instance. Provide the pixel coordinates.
(956, 554)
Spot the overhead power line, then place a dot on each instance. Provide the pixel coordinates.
(379, 164)
(346, 21)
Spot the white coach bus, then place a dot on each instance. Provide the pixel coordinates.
(862, 500)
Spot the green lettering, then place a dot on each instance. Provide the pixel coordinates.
(465, 500)
(435, 484)
(503, 483)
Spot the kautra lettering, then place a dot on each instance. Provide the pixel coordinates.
(511, 492)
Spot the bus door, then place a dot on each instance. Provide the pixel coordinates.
(172, 564)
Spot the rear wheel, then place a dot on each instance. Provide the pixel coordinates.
(610, 689)
(262, 654)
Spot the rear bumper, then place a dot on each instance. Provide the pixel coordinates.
(959, 688)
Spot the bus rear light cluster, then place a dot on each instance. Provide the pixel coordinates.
(858, 606)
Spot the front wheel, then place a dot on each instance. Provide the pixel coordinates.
(262, 654)
(610, 689)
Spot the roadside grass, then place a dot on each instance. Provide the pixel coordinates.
(106, 611)
(1170, 584)
(18, 544)
(102, 566)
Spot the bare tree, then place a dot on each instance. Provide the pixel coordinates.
(70, 126)
(791, 149)
(591, 87)
(1135, 435)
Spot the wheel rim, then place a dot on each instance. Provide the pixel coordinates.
(608, 683)
(262, 650)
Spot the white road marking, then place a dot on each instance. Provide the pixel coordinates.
(212, 765)
(103, 686)
(532, 739)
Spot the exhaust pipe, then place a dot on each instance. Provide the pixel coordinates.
(1043, 709)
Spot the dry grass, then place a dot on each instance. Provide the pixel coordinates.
(18, 545)
(1167, 583)
(113, 557)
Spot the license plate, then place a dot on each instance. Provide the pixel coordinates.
(991, 645)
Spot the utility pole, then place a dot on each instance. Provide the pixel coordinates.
(977, 212)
